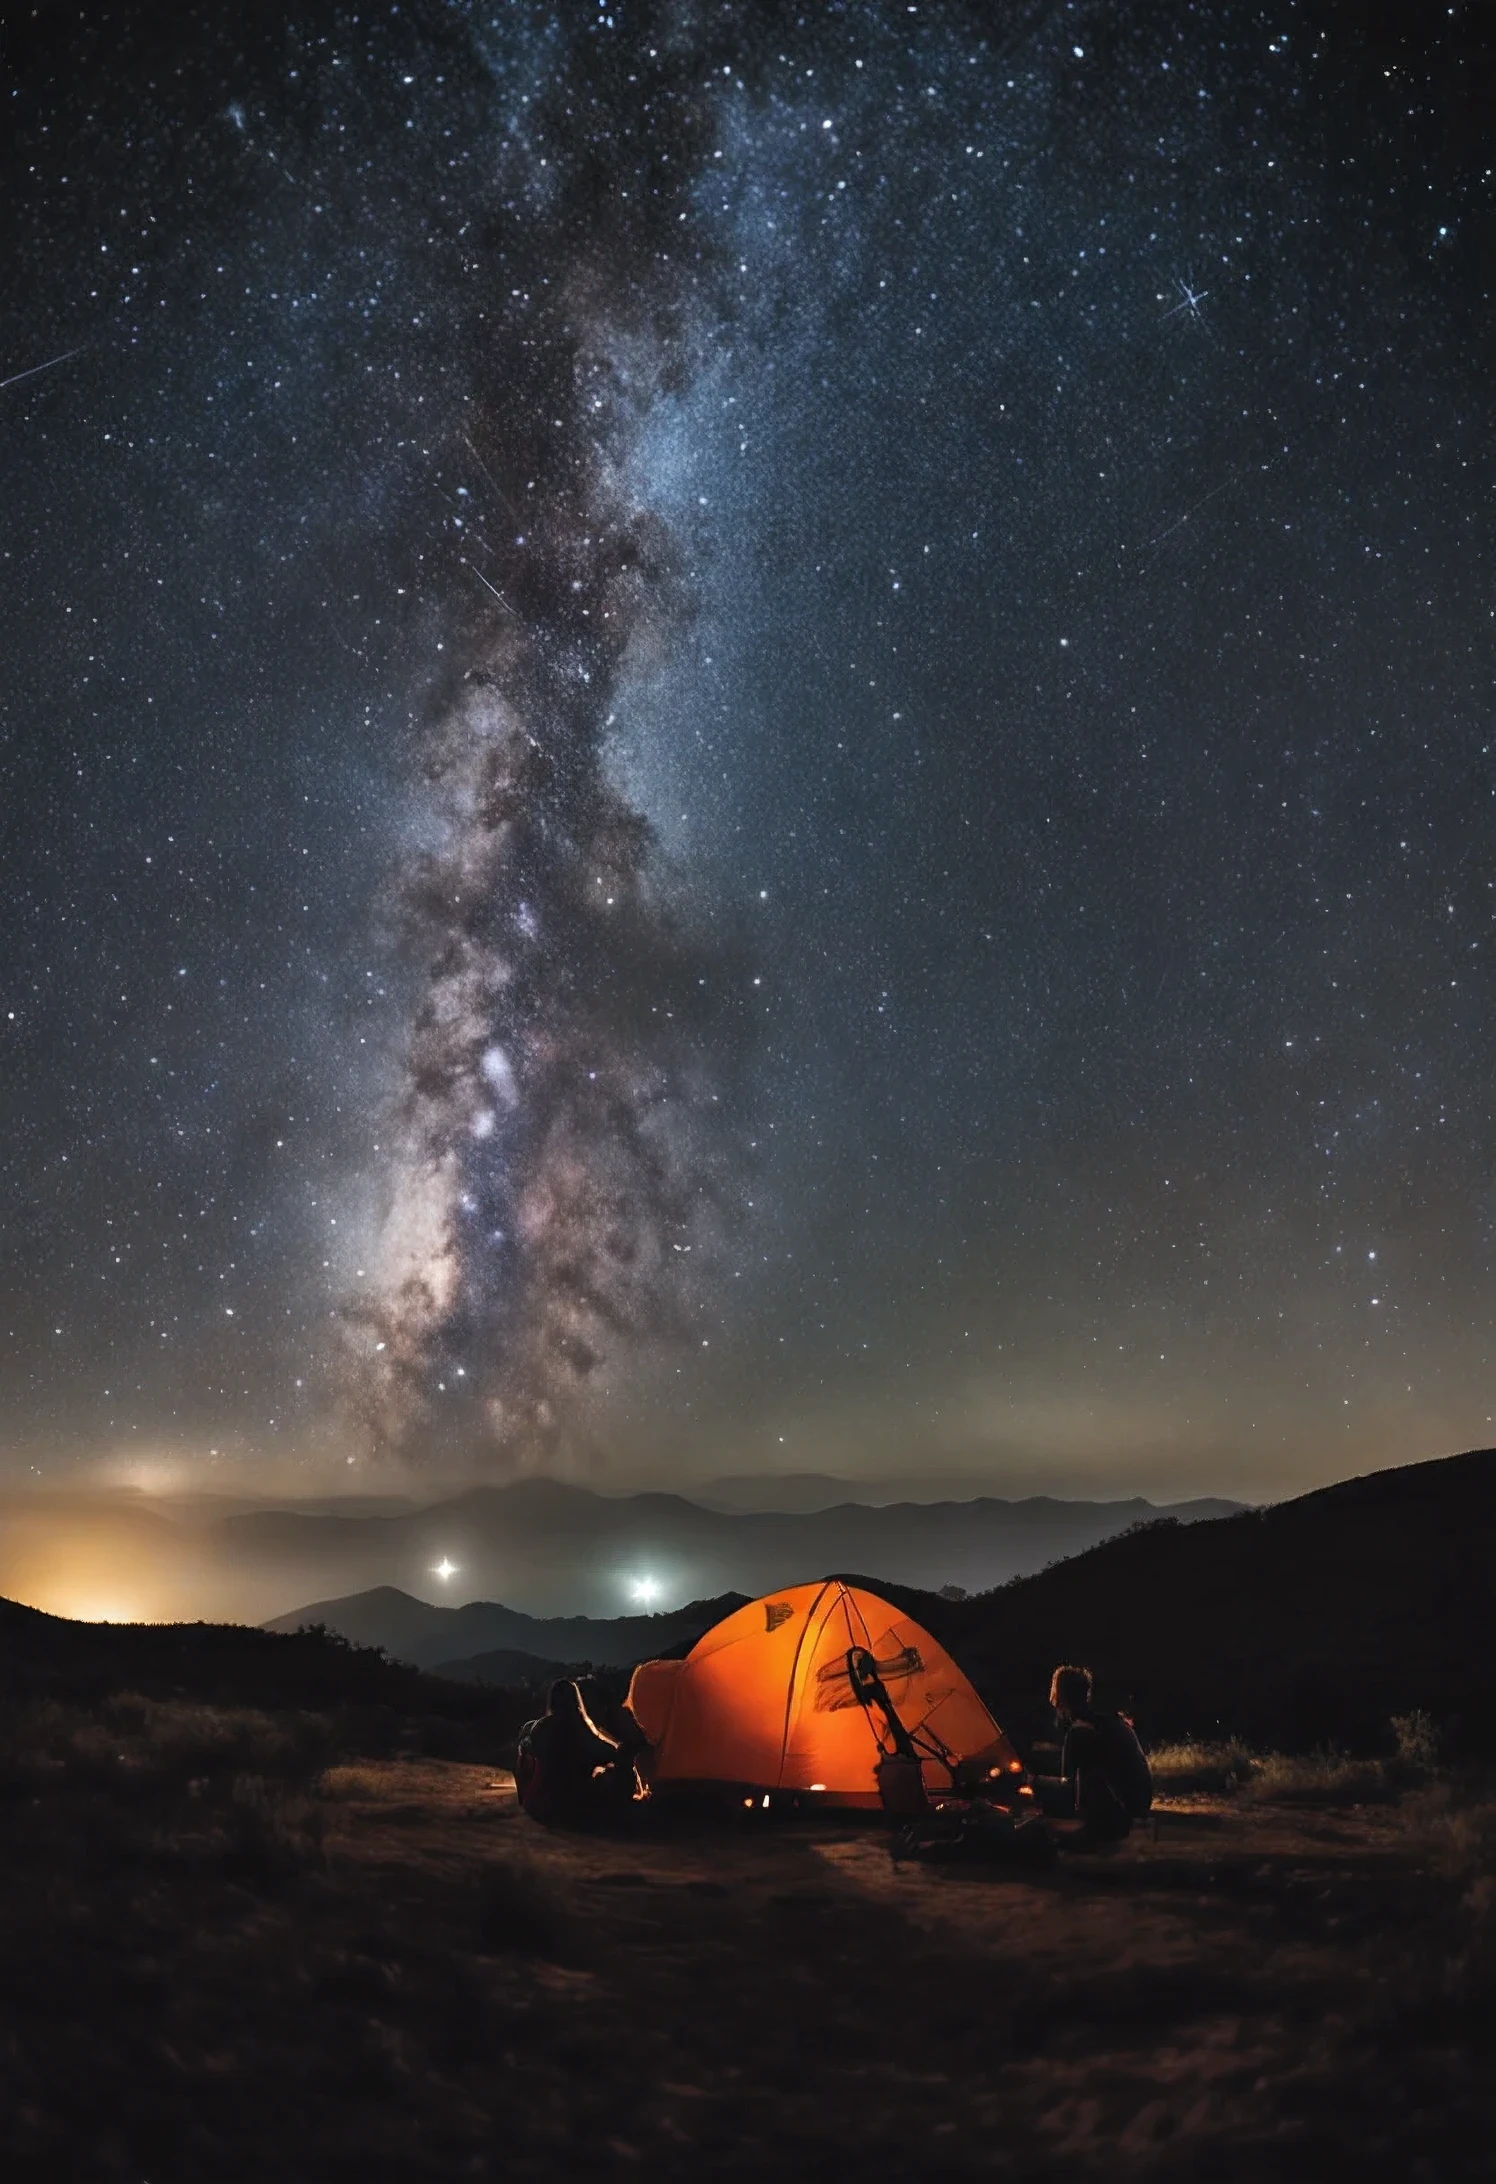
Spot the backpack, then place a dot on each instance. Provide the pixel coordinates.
(960, 1832)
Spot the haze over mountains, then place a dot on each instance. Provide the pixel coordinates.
(802, 1493)
(551, 1549)
(539, 1546)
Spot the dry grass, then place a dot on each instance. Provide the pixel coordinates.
(349, 1784)
(1318, 1778)
(1196, 1767)
(151, 1746)
(229, 1953)
(1325, 1777)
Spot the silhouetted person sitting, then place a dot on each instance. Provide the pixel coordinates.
(634, 1748)
(1103, 1778)
(569, 1773)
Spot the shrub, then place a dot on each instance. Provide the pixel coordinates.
(1416, 1737)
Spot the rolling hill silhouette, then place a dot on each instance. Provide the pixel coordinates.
(467, 1641)
(1315, 1619)
(50, 1658)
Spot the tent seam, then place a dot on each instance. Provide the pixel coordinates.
(789, 1700)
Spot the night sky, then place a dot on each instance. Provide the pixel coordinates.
(743, 737)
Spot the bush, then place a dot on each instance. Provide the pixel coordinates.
(1416, 1737)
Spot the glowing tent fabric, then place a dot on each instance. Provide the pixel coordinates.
(765, 1700)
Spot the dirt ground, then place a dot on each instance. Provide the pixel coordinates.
(402, 1977)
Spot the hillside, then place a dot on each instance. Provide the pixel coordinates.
(505, 1669)
(49, 1660)
(1314, 1619)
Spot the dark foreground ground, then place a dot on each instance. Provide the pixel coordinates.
(217, 1964)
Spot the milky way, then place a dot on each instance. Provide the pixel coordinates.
(553, 1155)
(554, 1162)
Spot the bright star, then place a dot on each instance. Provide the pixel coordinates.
(1191, 299)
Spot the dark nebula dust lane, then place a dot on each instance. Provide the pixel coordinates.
(742, 738)
(552, 1167)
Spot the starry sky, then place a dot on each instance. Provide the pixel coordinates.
(743, 737)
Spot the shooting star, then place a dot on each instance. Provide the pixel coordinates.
(483, 580)
(1180, 521)
(32, 369)
(504, 501)
(1160, 538)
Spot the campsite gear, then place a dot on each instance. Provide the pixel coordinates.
(809, 1691)
(901, 1785)
(967, 1833)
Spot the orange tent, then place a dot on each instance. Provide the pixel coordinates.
(768, 1700)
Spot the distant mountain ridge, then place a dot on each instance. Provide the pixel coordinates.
(449, 1638)
(548, 1548)
(805, 1493)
